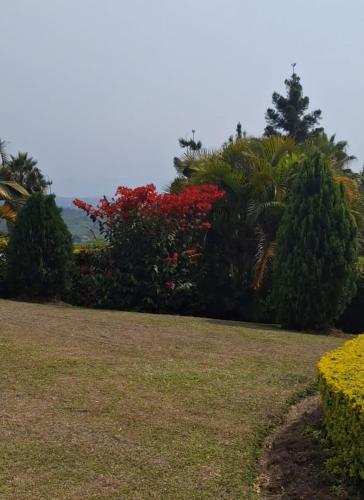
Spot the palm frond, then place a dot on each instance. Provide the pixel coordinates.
(265, 252)
(10, 190)
(7, 213)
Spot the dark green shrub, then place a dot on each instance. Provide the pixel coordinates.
(353, 318)
(39, 251)
(315, 267)
(90, 281)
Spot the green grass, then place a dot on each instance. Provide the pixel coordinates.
(101, 405)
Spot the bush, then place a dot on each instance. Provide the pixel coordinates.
(90, 278)
(315, 268)
(353, 318)
(39, 250)
(154, 247)
(3, 266)
(341, 382)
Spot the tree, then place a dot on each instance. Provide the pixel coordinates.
(316, 260)
(10, 191)
(289, 116)
(40, 250)
(335, 151)
(254, 173)
(191, 147)
(23, 170)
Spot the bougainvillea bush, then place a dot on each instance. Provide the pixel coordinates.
(155, 243)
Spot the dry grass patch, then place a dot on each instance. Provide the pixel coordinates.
(102, 405)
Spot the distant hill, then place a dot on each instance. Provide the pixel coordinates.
(80, 226)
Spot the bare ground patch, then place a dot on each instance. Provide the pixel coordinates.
(292, 465)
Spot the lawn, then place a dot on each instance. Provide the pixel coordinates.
(112, 405)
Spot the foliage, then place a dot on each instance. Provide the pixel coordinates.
(23, 170)
(10, 191)
(90, 277)
(341, 381)
(316, 262)
(3, 265)
(353, 318)
(39, 251)
(335, 151)
(289, 116)
(254, 174)
(155, 242)
(191, 147)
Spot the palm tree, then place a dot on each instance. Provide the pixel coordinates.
(254, 173)
(23, 170)
(335, 152)
(10, 191)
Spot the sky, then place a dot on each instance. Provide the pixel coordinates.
(99, 91)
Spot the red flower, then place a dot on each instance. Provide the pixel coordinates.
(186, 210)
(170, 285)
(173, 259)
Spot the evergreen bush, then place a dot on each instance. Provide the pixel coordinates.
(315, 267)
(39, 251)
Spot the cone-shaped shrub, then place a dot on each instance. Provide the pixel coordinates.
(316, 261)
(40, 250)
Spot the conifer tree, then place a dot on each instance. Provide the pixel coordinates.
(191, 147)
(289, 116)
(315, 266)
(40, 250)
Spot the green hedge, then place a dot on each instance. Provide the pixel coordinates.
(341, 382)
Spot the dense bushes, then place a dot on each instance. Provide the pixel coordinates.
(90, 279)
(341, 381)
(154, 248)
(39, 250)
(315, 268)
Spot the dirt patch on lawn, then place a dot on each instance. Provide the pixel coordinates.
(292, 465)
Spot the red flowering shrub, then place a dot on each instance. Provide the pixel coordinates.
(155, 241)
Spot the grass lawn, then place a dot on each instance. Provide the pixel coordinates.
(100, 405)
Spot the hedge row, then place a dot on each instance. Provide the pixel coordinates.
(341, 382)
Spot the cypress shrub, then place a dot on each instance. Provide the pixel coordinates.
(315, 268)
(39, 251)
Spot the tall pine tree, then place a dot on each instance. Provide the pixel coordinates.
(316, 261)
(289, 116)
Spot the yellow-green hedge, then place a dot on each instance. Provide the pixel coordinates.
(341, 382)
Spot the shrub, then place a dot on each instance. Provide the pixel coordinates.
(3, 265)
(341, 382)
(155, 243)
(90, 277)
(353, 318)
(315, 267)
(39, 250)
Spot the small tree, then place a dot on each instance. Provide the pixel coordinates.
(315, 265)
(289, 116)
(40, 250)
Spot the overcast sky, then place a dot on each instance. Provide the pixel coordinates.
(98, 91)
